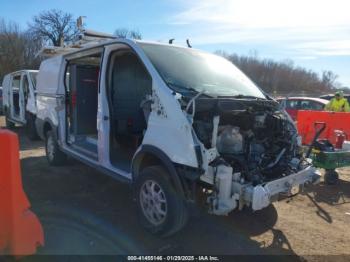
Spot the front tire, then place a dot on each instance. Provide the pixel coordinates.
(161, 209)
(54, 155)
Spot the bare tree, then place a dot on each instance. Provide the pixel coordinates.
(329, 78)
(18, 49)
(127, 33)
(54, 26)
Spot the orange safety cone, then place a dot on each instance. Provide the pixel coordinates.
(20, 230)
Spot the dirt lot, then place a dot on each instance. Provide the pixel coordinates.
(313, 223)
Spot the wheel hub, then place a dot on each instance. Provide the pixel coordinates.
(153, 202)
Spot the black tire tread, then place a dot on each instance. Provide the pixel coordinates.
(60, 158)
(180, 215)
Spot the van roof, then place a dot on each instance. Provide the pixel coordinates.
(63, 51)
(49, 76)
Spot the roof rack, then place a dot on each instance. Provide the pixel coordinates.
(84, 39)
(92, 37)
(49, 51)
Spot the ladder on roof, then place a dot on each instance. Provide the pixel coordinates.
(85, 38)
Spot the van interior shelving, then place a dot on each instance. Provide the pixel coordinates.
(82, 77)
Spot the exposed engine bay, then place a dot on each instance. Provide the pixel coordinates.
(253, 136)
(252, 152)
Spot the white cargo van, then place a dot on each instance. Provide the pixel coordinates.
(19, 102)
(175, 122)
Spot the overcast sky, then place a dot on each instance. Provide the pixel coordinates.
(313, 33)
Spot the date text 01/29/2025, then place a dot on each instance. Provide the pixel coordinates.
(173, 258)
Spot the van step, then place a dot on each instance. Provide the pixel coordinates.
(86, 148)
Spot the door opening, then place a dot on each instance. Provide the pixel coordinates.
(16, 95)
(25, 83)
(129, 86)
(82, 77)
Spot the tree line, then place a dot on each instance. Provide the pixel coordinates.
(284, 78)
(19, 48)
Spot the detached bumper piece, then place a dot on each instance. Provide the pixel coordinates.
(20, 230)
(261, 196)
(231, 193)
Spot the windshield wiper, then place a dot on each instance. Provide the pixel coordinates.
(181, 89)
(243, 96)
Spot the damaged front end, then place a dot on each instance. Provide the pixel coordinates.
(251, 152)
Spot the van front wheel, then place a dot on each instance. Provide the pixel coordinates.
(162, 210)
(54, 155)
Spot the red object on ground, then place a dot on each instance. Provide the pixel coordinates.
(334, 121)
(20, 230)
(340, 137)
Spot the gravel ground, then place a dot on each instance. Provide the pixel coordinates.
(310, 225)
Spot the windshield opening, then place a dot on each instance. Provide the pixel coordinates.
(189, 71)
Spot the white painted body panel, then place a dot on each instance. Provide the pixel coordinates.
(5, 90)
(46, 108)
(49, 94)
(49, 76)
(31, 103)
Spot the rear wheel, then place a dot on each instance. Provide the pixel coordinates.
(162, 211)
(54, 155)
(30, 127)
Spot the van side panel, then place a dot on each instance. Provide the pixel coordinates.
(5, 92)
(48, 76)
(168, 129)
(49, 98)
(31, 103)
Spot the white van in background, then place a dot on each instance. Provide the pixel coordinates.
(19, 100)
